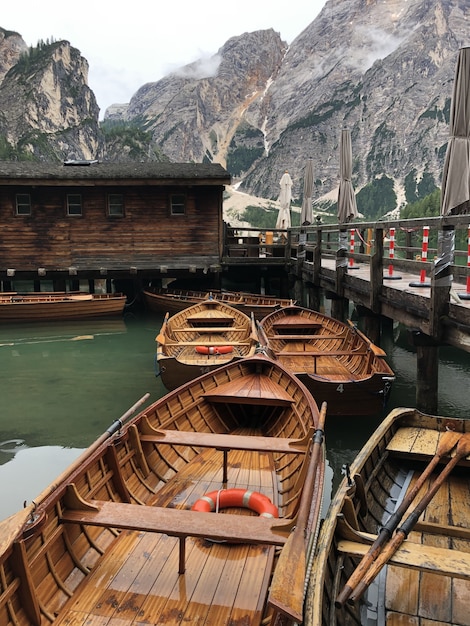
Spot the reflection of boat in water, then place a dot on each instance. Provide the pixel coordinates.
(23, 334)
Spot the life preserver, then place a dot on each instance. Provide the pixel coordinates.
(245, 498)
(214, 349)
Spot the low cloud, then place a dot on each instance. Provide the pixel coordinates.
(205, 67)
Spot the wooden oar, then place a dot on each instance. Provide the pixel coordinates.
(447, 442)
(463, 450)
(14, 524)
(375, 349)
(287, 586)
(160, 338)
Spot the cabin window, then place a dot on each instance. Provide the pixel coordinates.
(115, 205)
(74, 204)
(23, 204)
(178, 204)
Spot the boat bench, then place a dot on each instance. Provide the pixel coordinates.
(229, 442)
(307, 337)
(322, 353)
(417, 556)
(208, 329)
(179, 523)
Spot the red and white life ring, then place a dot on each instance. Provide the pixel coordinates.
(245, 498)
(214, 349)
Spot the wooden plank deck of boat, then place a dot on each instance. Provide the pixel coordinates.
(137, 582)
(420, 595)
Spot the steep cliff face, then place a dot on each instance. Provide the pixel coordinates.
(382, 69)
(195, 112)
(11, 47)
(48, 110)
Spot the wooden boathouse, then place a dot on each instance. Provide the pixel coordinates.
(88, 220)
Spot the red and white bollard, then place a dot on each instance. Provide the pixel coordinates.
(391, 255)
(424, 258)
(352, 233)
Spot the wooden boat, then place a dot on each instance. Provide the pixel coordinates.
(47, 306)
(335, 361)
(175, 300)
(200, 338)
(395, 545)
(120, 536)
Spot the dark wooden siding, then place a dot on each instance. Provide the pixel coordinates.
(49, 238)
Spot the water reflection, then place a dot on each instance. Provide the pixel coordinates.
(64, 384)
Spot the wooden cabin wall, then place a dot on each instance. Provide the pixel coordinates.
(49, 238)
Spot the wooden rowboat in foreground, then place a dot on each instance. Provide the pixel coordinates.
(395, 546)
(335, 361)
(124, 535)
(201, 338)
(50, 306)
(175, 300)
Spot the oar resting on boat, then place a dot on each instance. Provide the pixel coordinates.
(288, 583)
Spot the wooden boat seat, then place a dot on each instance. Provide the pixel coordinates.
(207, 329)
(420, 443)
(324, 353)
(174, 522)
(229, 442)
(223, 442)
(441, 560)
(307, 337)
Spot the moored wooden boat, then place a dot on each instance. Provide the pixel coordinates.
(201, 338)
(335, 361)
(175, 300)
(395, 545)
(48, 306)
(120, 535)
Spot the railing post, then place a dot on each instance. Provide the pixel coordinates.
(376, 269)
(441, 280)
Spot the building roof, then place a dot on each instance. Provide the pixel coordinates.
(81, 172)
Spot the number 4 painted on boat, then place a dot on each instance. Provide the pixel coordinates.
(340, 388)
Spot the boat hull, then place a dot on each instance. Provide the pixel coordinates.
(427, 577)
(365, 397)
(38, 307)
(176, 300)
(336, 362)
(115, 538)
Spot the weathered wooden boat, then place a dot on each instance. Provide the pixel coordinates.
(335, 361)
(124, 535)
(175, 300)
(395, 545)
(201, 338)
(48, 306)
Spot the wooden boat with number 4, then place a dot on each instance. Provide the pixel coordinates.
(202, 508)
(335, 361)
(395, 545)
(174, 300)
(51, 306)
(201, 338)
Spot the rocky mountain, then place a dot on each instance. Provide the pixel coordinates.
(382, 69)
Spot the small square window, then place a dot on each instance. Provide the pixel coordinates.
(178, 204)
(23, 204)
(115, 204)
(74, 204)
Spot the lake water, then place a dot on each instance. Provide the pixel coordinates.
(64, 384)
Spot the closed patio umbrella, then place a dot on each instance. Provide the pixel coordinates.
(306, 214)
(285, 196)
(347, 209)
(455, 187)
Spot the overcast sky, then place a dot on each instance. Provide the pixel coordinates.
(129, 44)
